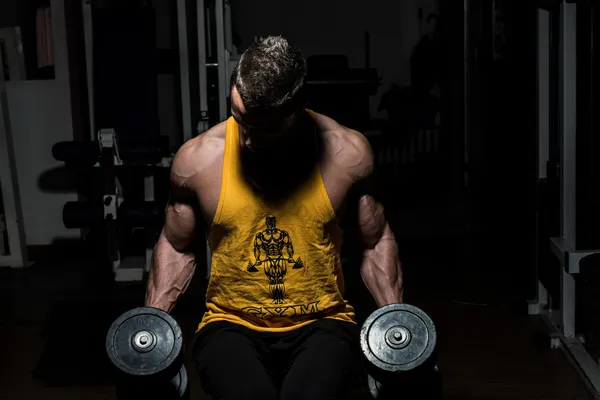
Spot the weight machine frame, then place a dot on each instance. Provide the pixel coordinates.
(226, 59)
(130, 269)
(561, 322)
(11, 222)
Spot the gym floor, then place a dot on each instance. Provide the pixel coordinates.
(54, 317)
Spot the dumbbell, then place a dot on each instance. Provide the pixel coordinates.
(398, 344)
(145, 345)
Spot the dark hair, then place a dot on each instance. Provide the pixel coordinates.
(270, 75)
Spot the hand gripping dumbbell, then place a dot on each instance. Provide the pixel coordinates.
(146, 347)
(398, 344)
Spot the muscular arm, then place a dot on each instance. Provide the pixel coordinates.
(380, 266)
(289, 248)
(258, 248)
(173, 262)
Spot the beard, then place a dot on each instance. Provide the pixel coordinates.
(277, 170)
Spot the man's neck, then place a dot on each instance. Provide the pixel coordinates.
(275, 174)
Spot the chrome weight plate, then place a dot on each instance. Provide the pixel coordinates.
(397, 338)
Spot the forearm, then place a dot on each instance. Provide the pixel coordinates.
(170, 275)
(381, 270)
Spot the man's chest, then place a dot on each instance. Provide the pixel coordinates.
(210, 189)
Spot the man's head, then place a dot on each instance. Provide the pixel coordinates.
(271, 221)
(268, 91)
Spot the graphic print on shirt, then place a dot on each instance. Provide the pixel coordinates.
(273, 250)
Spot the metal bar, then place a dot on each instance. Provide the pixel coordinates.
(184, 70)
(560, 248)
(88, 33)
(229, 48)
(150, 240)
(107, 138)
(221, 60)
(569, 257)
(587, 215)
(466, 87)
(4, 250)
(343, 82)
(543, 91)
(542, 103)
(17, 254)
(202, 74)
(228, 31)
(208, 29)
(567, 303)
(588, 370)
(568, 115)
(536, 307)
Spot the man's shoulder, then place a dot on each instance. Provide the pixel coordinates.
(347, 148)
(199, 154)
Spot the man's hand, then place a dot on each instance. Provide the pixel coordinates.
(252, 267)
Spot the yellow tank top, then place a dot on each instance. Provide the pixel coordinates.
(274, 268)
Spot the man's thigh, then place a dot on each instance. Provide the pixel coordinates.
(231, 363)
(325, 363)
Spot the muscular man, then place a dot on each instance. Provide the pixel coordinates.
(269, 187)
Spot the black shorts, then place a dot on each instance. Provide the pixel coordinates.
(318, 361)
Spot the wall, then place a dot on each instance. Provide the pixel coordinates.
(338, 26)
(40, 115)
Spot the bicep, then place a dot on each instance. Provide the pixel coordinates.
(371, 220)
(180, 225)
(364, 216)
(181, 215)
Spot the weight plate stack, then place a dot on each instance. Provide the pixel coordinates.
(180, 383)
(397, 339)
(146, 343)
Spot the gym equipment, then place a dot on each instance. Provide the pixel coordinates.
(106, 153)
(176, 389)
(89, 153)
(146, 346)
(13, 251)
(398, 344)
(145, 342)
(122, 89)
(342, 92)
(79, 214)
